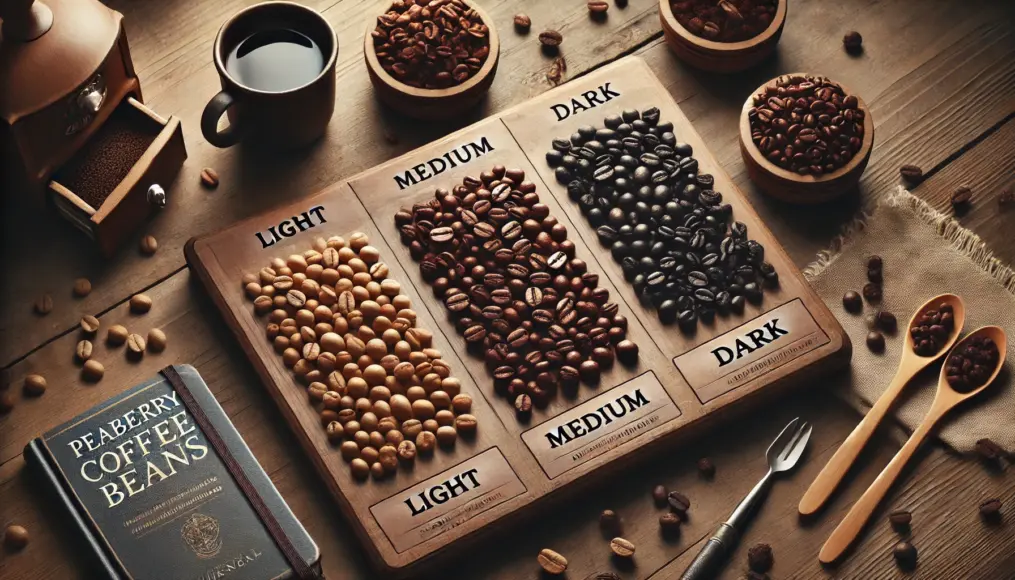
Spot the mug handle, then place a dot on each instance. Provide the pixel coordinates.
(210, 120)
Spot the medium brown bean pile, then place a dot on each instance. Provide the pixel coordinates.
(725, 20)
(805, 124)
(508, 275)
(431, 44)
(349, 335)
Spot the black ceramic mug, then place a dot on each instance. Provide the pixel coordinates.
(276, 62)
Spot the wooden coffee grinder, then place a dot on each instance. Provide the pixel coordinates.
(73, 129)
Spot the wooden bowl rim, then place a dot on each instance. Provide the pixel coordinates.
(478, 78)
(773, 169)
(666, 11)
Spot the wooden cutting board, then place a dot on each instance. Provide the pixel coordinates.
(681, 382)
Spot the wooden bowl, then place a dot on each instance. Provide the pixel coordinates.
(722, 57)
(803, 189)
(432, 104)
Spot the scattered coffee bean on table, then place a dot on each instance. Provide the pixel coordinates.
(209, 178)
(807, 124)
(900, 520)
(83, 350)
(912, 174)
(598, 7)
(522, 23)
(609, 521)
(35, 385)
(905, 555)
(931, 330)
(972, 364)
(886, 321)
(136, 345)
(670, 522)
(148, 245)
(89, 324)
(876, 341)
(961, 197)
(117, 335)
(726, 20)
(852, 302)
(988, 450)
(6, 402)
(760, 558)
(431, 48)
(659, 495)
(92, 370)
(15, 537)
(82, 287)
(551, 561)
(622, 547)
(349, 335)
(156, 340)
(43, 304)
(508, 276)
(550, 39)
(140, 303)
(706, 468)
(672, 234)
(678, 502)
(872, 292)
(990, 510)
(852, 41)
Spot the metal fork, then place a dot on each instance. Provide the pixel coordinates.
(782, 455)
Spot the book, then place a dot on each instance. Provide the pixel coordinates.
(161, 486)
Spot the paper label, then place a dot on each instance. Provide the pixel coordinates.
(598, 425)
(750, 350)
(447, 499)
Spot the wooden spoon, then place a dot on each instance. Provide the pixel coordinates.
(945, 399)
(909, 365)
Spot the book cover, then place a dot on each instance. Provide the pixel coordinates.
(152, 497)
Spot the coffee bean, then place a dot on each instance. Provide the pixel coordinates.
(900, 520)
(89, 324)
(659, 495)
(972, 364)
(961, 197)
(670, 523)
(35, 385)
(136, 345)
(853, 42)
(759, 558)
(876, 341)
(141, 303)
(622, 547)
(609, 521)
(209, 178)
(706, 468)
(148, 245)
(522, 23)
(83, 350)
(678, 502)
(931, 329)
(441, 235)
(990, 510)
(6, 402)
(852, 302)
(550, 38)
(875, 262)
(43, 304)
(552, 562)
(887, 321)
(15, 537)
(523, 404)
(92, 370)
(116, 335)
(156, 340)
(598, 6)
(905, 555)
(872, 292)
(82, 287)
(627, 352)
(729, 21)
(912, 174)
(989, 450)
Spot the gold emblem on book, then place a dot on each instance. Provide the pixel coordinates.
(201, 533)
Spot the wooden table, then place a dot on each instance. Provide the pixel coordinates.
(939, 77)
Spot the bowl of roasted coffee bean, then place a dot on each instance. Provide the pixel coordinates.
(725, 36)
(805, 139)
(430, 59)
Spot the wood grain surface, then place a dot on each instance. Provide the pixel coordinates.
(939, 78)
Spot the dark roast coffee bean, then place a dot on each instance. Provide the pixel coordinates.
(759, 558)
(900, 519)
(876, 341)
(678, 502)
(852, 302)
(872, 292)
(905, 555)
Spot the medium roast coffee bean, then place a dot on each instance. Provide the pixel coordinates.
(551, 562)
(209, 178)
(678, 502)
(522, 23)
(598, 6)
(900, 520)
(670, 523)
(706, 468)
(759, 558)
(990, 510)
(551, 38)
(961, 197)
(911, 173)
(659, 495)
(989, 450)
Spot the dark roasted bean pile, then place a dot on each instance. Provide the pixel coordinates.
(970, 365)
(931, 330)
(671, 232)
(509, 278)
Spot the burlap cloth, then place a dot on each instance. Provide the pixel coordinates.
(925, 253)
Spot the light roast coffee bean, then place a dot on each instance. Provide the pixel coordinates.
(15, 537)
(82, 287)
(209, 178)
(551, 562)
(89, 324)
(622, 547)
(35, 385)
(92, 371)
(140, 303)
(148, 245)
(83, 350)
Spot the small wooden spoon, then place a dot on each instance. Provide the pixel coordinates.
(909, 365)
(945, 399)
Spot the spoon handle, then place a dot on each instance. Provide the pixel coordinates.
(835, 470)
(849, 528)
